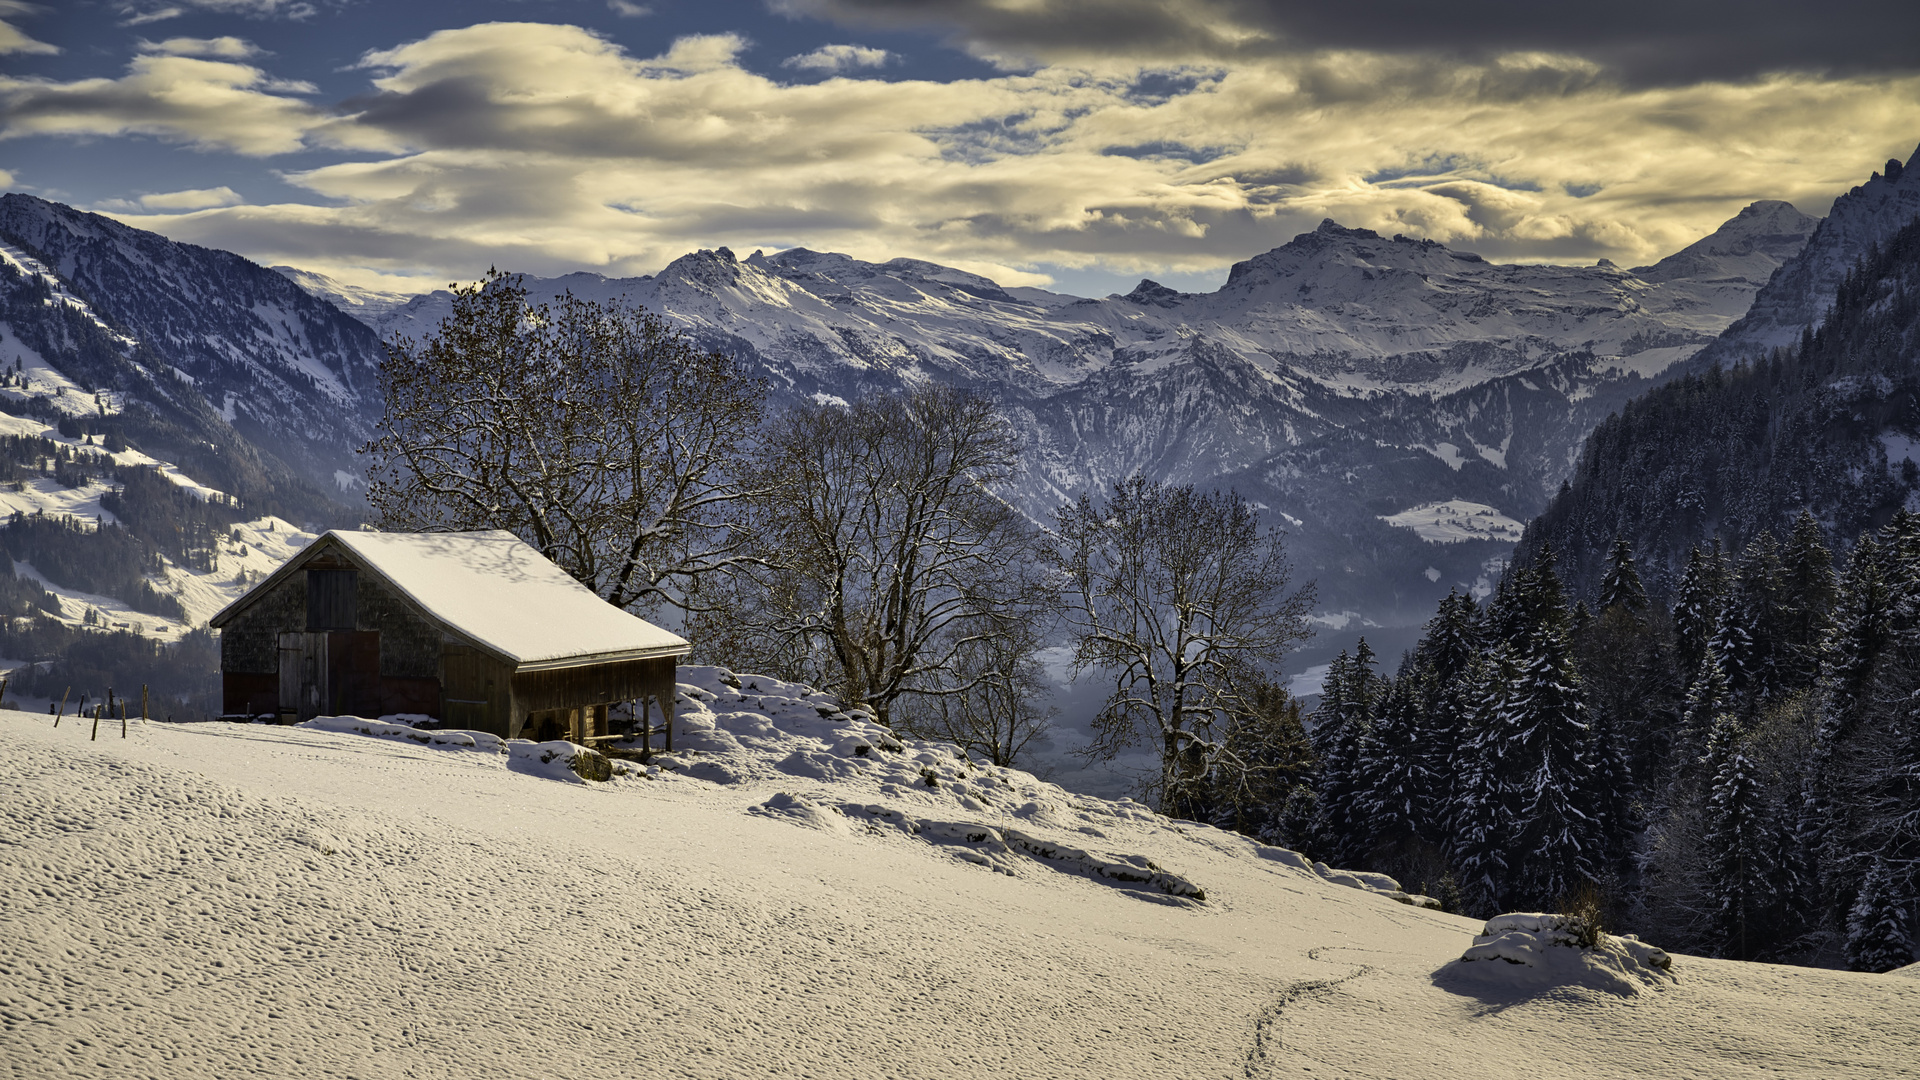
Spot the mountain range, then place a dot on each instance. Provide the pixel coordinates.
(1399, 406)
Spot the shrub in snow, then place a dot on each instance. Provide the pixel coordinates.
(1555, 949)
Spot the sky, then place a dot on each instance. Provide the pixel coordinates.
(1072, 144)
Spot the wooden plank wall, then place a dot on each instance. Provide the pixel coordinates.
(594, 684)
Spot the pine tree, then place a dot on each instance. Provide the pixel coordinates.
(1613, 799)
(1445, 659)
(1707, 700)
(1742, 878)
(1345, 716)
(1863, 634)
(1697, 603)
(1808, 596)
(1557, 840)
(1620, 585)
(1483, 809)
(1730, 651)
(1879, 933)
(1754, 624)
(1394, 799)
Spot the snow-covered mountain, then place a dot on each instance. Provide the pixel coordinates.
(1825, 423)
(790, 893)
(290, 372)
(1799, 295)
(1342, 381)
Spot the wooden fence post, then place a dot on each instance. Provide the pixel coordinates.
(123, 718)
(143, 704)
(63, 706)
(96, 723)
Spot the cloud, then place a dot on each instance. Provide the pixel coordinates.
(550, 148)
(225, 48)
(837, 58)
(138, 13)
(626, 9)
(195, 199)
(203, 103)
(15, 40)
(1643, 42)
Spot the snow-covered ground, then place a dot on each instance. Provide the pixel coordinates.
(1455, 520)
(789, 897)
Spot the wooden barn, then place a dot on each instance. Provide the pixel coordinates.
(477, 630)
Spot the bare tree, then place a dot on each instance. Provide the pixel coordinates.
(989, 701)
(1181, 598)
(595, 432)
(885, 556)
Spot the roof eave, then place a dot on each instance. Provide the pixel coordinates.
(584, 660)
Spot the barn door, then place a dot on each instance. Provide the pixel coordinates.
(303, 674)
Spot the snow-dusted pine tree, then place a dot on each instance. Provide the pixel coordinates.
(1347, 703)
(1483, 808)
(1879, 928)
(1696, 606)
(1557, 839)
(1741, 879)
(1808, 595)
(1620, 585)
(1394, 789)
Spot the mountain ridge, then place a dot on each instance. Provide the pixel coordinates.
(1400, 373)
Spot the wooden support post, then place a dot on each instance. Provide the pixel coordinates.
(96, 724)
(646, 731)
(666, 715)
(143, 704)
(63, 706)
(123, 718)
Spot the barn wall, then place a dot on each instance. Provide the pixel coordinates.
(409, 644)
(249, 694)
(476, 690)
(389, 662)
(250, 642)
(594, 684)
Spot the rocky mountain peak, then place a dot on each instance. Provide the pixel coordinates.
(1748, 247)
(1799, 293)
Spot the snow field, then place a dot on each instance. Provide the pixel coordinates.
(359, 897)
(1456, 520)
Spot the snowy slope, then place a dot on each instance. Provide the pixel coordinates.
(215, 900)
(1337, 380)
(290, 371)
(253, 549)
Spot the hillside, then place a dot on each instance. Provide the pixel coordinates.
(1829, 424)
(215, 900)
(290, 375)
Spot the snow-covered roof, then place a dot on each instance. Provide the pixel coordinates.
(496, 590)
